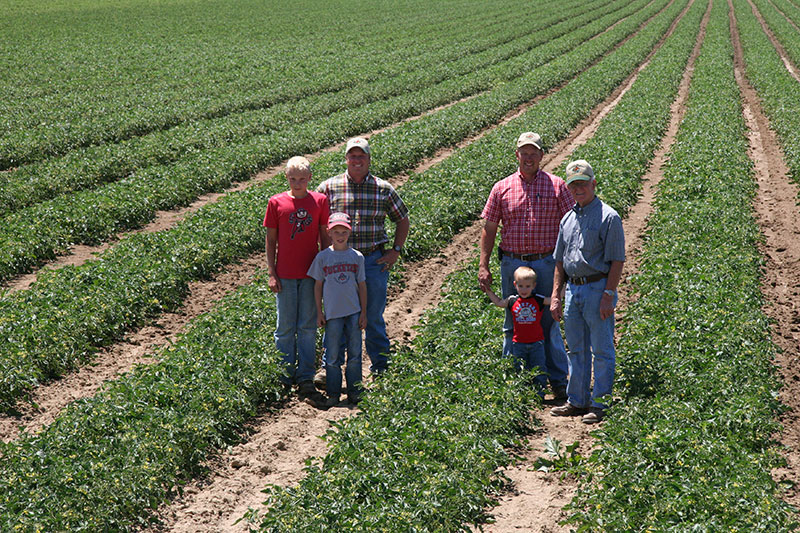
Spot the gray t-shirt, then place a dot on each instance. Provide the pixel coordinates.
(589, 239)
(341, 272)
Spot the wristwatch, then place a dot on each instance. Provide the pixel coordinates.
(397, 248)
(609, 292)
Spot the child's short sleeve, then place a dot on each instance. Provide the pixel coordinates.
(362, 274)
(315, 270)
(511, 300)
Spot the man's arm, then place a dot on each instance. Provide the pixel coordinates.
(390, 257)
(324, 238)
(607, 300)
(271, 246)
(559, 279)
(488, 235)
(362, 298)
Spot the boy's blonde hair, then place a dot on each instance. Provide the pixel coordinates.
(525, 273)
(298, 162)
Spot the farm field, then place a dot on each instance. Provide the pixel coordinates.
(140, 142)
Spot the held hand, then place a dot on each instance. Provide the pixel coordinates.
(484, 278)
(362, 320)
(388, 259)
(606, 306)
(274, 283)
(555, 308)
(320, 321)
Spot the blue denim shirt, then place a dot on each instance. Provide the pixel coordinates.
(589, 239)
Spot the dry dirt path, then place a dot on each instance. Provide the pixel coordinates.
(536, 500)
(779, 217)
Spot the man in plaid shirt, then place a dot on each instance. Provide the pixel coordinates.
(530, 204)
(369, 200)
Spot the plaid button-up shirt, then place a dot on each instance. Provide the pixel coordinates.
(530, 212)
(368, 203)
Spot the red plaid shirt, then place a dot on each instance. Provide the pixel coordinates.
(530, 212)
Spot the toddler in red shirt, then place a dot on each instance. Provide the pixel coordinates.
(526, 312)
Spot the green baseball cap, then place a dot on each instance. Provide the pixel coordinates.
(579, 170)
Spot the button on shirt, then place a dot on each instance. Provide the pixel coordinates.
(368, 203)
(589, 239)
(529, 212)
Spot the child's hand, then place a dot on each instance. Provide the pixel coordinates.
(362, 320)
(274, 283)
(320, 321)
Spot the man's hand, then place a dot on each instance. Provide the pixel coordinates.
(388, 259)
(362, 320)
(320, 320)
(274, 283)
(484, 278)
(606, 306)
(555, 308)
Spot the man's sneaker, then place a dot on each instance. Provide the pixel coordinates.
(559, 393)
(594, 416)
(567, 410)
(320, 378)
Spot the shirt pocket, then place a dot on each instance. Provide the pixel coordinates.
(546, 206)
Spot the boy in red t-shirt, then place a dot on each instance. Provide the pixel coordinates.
(526, 311)
(295, 222)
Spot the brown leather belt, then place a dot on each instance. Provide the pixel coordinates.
(528, 257)
(368, 250)
(587, 279)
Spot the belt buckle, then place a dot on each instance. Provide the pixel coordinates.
(580, 281)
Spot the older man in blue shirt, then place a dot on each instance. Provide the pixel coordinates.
(589, 254)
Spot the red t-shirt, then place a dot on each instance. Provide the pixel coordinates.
(298, 222)
(527, 316)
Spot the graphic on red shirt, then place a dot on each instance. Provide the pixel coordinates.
(299, 220)
(526, 314)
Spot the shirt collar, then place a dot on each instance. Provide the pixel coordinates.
(366, 178)
(592, 205)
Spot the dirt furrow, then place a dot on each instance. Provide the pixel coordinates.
(536, 499)
(778, 46)
(779, 219)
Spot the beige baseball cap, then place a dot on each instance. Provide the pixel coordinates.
(530, 138)
(357, 142)
(579, 170)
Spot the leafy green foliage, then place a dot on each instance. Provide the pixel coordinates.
(689, 447)
(559, 458)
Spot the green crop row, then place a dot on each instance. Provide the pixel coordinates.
(108, 461)
(623, 146)
(423, 454)
(91, 166)
(778, 90)
(27, 240)
(151, 89)
(59, 322)
(779, 23)
(689, 447)
(451, 195)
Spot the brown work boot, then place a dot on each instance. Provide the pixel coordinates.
(308, 393)
(567, 410)
(594, 416)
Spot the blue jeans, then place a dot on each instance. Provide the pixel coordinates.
(587, 335)
(530, 355)
(337, 331)
(375, 338)
(295, 333)
(556, 364)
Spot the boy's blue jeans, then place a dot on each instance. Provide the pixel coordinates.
(587, 335)
(337, 331)
(556, 364)
(295, 334)
(530, 355)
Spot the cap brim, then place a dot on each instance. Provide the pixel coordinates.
(578, 177)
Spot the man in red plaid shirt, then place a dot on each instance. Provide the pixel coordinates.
(530, 204)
